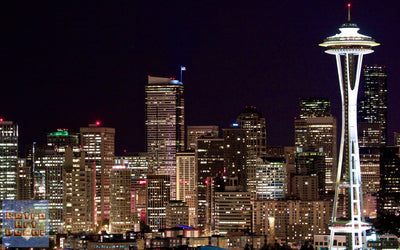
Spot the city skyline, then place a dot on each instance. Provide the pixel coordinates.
(81, 63)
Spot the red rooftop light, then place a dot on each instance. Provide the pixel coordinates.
(349, 5)
(97, 123)
(1, 119)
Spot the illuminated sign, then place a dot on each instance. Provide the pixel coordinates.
(25, 223)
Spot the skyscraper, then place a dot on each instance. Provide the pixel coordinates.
(254, 123)
(158, 193)
(98, 145)
(315, 131)
(165, 133)
(351, 46)
(8, 160)
(373, 105)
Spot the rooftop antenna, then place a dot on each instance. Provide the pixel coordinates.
(348, 12)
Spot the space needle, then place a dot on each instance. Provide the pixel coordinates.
(349, 47)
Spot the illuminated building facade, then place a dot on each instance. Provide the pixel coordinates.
(158, 193)
(8, 160)
(270, 179)
(312, 164)
(396, 139)
(141, 165)
(389, 194)
(315, 131)
(291, 221)
(186, 183)
(210, 162)
(79, 189)
(121, 216)
(254, 123)
(24, 183)
(98, 144)
(235, 153)
(177, 214)
(194, 132)
(232, 211)
(373, 105)
(48, 184)
(349, 46)
(165, 125)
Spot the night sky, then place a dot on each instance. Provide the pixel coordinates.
(65, 64)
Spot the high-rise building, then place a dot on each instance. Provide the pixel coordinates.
(210, 162)
(49, 183)
(270, 178)
(98, 144)
(389, 194)
(194, 132)
(25, 182)
(158, 193)
(312, 163)
(8, 160)
(254, 123)
(315, 131)
(79, 207)
(235, 153)
(165, 132)
(373, 105)
(141, 165)
(186, 183)
(121, 216)
(349, 46)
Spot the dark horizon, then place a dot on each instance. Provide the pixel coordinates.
(66, 65)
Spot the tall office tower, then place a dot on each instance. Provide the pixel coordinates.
(177, 214)
(194, 132)
(315, 131)
(349, 46)
(62, 138)
(312, 163)
(158, 193)
(186, 183)
(24, 183)
(373, 105)
(8, 160)
(210, 162)
(232, 210)
(141, 165)
(48, 183)
(165, 125)
(79, 179)
(255, 125)
(121, 216)
(98, 144)
(235, 153)
(389, 194)
(396, 137)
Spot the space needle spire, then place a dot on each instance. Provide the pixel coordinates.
(349, 47)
